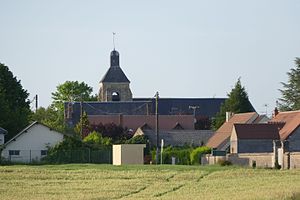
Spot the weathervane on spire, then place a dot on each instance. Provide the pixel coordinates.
(114, 39)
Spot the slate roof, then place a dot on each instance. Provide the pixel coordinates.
(257, 131)
(289, 122)
(208, 107)
(222, 135)
(114, 75)
(179, 137)
(3, 131)
(179, 106)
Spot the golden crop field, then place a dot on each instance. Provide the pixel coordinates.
(88, 181)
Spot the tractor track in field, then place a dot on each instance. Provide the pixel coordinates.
(132, 193)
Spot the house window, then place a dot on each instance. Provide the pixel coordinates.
(14, 152)
(43, 152)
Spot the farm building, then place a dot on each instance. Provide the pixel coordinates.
(253, 138)
(31, 143)
(221, 138)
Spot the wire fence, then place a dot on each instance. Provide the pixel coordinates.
(101, 156)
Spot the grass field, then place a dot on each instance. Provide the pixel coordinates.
(88, 181)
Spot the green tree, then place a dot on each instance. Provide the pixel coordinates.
(290, 99)
(237, 102)
(72, 91)
(86, 128)
(50, 117)
(14, 104)
(95, 138)
(53, 116)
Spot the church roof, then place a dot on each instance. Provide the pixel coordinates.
(208, 107)
(115, 74)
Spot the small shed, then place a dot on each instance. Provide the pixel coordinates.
(128, 154)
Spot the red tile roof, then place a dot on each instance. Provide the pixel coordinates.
(290, 121)
(224, 132)
(257, 131)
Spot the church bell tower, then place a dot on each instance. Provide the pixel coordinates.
(114, 86)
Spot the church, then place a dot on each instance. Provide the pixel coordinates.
(116, 104)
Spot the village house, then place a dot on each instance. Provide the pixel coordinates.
(31, 144)
(289, 129)
(221, 138)
(265, 145)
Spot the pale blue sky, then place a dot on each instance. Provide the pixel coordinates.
(179, 48)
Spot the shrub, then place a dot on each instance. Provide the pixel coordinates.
(253, 164)
(224, 162)
(182, 155)
(196, 154)
(95, 138)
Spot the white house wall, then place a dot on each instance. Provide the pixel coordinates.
(31, 143)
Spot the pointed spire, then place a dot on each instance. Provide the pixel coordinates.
(114, 40)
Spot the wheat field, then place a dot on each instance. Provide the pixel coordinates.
(91, 181)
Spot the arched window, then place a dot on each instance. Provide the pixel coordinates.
(115, 96)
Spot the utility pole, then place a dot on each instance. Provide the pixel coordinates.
(156, 126)
(36, 102)
(81, 117)
(194, 108)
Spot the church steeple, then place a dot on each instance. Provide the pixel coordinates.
(114, 85)
(114, 59)
(115, 74)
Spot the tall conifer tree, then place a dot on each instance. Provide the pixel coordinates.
(290, 99)
(14, 104)
(237, 102)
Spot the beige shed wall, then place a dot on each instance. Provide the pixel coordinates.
(128, 154)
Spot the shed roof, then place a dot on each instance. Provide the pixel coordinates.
(290, 121)
(257, 131)
(224, 132)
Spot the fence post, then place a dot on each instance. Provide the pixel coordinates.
(30, 156)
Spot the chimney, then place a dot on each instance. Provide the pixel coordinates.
(275, 112)
(228, 116)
